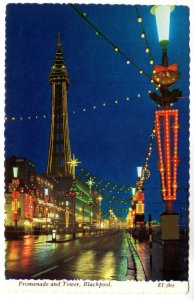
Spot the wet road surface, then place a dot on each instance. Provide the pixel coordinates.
(96, 257)
(113, 255)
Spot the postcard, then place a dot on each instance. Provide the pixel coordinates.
(97, 148)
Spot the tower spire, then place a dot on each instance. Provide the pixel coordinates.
(58, 70)
(59, 39)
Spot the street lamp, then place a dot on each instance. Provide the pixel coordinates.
(89, 203)
(90, 182)
(166, 126)
(139, 172)
(15, 194)
(139, 206)
(100, 211)
(46, 210)
(139, 181)
(15, 172)
(133, 189)
(73, 189)
(66, 214)
(162, 14)
(164, 75)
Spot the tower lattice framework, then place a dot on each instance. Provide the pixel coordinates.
(59, 145)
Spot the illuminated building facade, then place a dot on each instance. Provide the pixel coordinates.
(39, 204)
(31, 202)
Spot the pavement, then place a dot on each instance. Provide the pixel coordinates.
(149, 262)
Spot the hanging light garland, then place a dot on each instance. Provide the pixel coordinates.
(44, 117)
(94, 107)
(144, 36)
(101, 184)
(145, 174)
(117, 210)
(145, 171)
(128, 60)
(115, 47)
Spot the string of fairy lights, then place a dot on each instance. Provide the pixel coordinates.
(44, 117)
(144, 36)
(104, 105)
(128, 60)
(99, 33)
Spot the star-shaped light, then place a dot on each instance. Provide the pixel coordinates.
(90, 182)
(74, 163)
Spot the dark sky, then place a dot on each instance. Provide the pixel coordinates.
(110, 112)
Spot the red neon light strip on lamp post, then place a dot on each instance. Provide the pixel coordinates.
(168, 164)
(167, 151)
(175, 157)
(161, 163)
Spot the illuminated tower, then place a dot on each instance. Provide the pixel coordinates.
(59, 146)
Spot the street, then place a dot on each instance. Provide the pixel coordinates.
(90, 257)
(112, 255)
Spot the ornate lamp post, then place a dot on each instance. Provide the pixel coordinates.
(133, 210)
(15, 195)
(139, 197)
(66, 214)
(166, 126)
(73, 189)
(139, 181)
(100, 211)
(90, 182)
(46, 209)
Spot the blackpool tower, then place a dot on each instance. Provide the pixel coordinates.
(59, 145)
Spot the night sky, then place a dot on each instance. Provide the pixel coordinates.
(110, 113)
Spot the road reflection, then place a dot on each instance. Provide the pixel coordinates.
(108, 266)
(90, 257)
(30, 251)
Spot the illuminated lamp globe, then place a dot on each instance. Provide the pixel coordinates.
(139, 171)
(162, 14)
(133, 191)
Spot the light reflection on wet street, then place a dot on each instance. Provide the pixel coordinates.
(96, 257)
